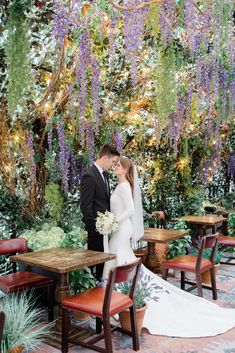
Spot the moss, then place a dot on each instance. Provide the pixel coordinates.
(54, 200)
(17, 51)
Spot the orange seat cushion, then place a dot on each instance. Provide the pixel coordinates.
(92, 300)
(186, 263)
(20, 280)
(226, 240)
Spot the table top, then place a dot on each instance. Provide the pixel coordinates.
(211, 220)
(62, 260)
(157, 235)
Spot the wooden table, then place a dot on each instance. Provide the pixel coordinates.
(223, 212)
(204, 222)
(161, 236)
(62, 261)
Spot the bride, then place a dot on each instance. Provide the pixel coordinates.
(175, 313)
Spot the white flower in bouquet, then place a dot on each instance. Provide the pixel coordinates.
(106, 223)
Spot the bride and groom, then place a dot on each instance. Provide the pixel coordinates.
(175, 313)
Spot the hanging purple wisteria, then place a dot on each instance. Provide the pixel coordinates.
(64, 155)
(231, 166)
(133, 35)
(166, 21)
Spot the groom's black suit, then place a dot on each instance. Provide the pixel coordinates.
(94, 197)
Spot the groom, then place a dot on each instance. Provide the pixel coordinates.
(95, 197)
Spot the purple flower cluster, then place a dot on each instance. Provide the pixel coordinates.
(133, 34)
(112, 42)
(65, 19)
(60, 22)
(199, 24)
(118, 140)
(84, 63)
(231, 166)
(95, 87)
(70, 91)
(81, 65)
(90, 140)
(166, 21)
(232, 93)
(76, 171)
(64, 155)
(176, 124)
(30, 159)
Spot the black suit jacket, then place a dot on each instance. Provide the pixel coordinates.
(94, 197)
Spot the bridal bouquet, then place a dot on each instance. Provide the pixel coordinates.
(106, 223)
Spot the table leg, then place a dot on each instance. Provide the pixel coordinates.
(62, 291)
(157, 253)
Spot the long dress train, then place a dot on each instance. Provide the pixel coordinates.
(174, 313)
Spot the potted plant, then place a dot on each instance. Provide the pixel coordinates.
(22, 328)
(144, 292)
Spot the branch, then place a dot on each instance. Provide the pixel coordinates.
(198, 8)
(136, 7)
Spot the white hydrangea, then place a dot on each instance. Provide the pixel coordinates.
(49, 236)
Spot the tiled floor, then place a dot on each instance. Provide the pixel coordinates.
(224, 343)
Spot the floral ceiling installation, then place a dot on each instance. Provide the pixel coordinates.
(76, 74)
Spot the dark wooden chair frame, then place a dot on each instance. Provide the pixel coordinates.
(116, 275)
(207, 242)
(19, 245)
(2, 320)
(222, 242)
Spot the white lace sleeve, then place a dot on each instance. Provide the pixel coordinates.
(127, 201)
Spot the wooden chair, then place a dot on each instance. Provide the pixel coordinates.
(228, 242)
(103, 303)
(2, 320)
(195, 264)
(18, 281)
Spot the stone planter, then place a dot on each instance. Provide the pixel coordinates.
(125, 320)
(206, 277)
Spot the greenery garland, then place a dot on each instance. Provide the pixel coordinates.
(17, 50)
(166, 92)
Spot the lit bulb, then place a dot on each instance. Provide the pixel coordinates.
(8, 168)
(16, 138)
(47, 105)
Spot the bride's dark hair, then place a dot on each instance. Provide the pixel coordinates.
(129, 167)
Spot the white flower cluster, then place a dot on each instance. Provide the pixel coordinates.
(49, 236)
(106, 223)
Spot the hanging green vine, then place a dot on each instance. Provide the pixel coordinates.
(17, 50)
(166, 85)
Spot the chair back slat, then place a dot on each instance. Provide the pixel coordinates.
(210, 241)
(125, 272)
(207, 242)
(13, 246)
(129, 272)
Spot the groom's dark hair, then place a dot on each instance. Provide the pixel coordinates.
(108, 150)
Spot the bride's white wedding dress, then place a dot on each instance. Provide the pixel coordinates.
(175, 312)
